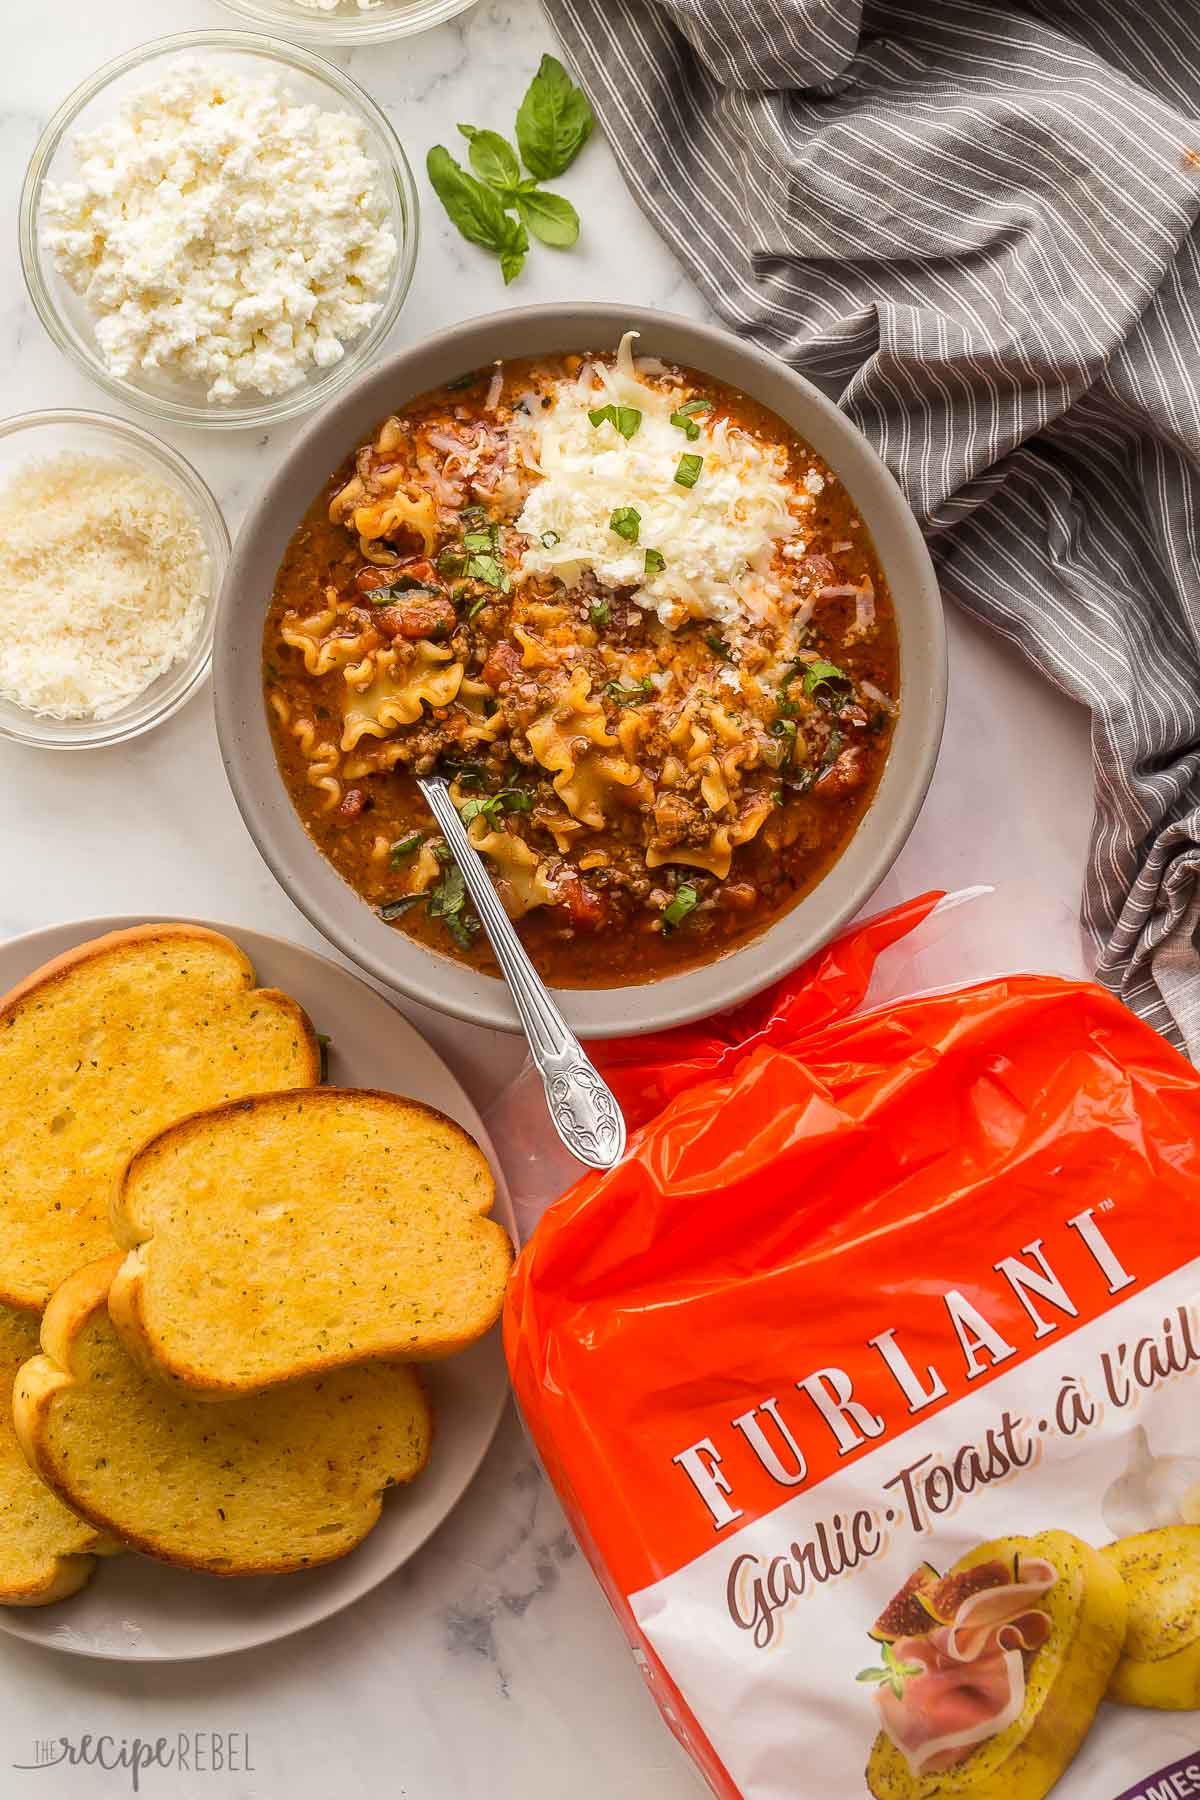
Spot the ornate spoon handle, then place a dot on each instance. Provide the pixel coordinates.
(584, 1112)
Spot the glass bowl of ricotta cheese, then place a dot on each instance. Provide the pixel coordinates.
(220, 228)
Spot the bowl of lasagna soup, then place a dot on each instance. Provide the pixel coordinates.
(654, 608)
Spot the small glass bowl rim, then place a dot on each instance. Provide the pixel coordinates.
(44, 733)
(344, 28)
(397, 175)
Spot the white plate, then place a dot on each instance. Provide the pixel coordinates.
(137, 1610)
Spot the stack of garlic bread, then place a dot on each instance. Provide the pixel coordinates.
(230, 1270)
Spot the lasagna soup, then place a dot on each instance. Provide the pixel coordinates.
(631, 616)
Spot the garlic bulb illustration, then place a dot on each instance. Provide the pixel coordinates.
(1153, 1491)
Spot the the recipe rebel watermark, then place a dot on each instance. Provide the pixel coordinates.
(184, 1752)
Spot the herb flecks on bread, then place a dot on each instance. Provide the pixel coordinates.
(46, 1552)
(332, 1225)
(262, 1485)
(98, 1051)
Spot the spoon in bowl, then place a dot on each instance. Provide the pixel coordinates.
(582, 1108)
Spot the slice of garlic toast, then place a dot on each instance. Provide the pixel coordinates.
(258, 1486)
(46, 1552)
(332, 1225)
(101, 1048)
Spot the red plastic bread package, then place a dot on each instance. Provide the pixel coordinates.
(869, 1384)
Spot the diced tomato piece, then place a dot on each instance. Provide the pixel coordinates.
(502, 665)
(586, 908)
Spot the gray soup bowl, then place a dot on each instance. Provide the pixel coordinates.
(335, 909)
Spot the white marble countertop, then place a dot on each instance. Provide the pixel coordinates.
(491, 1665)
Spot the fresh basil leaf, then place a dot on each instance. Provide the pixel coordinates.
(493, 159)
(554, 121)
(718, 646)
(685, 899)
(626, 522)
(394, 908)
(482, 540)
(600, 612)
(632, 696)
(463, 928)
(688, 426)
(688, 472)
(474, 208)
(450, 561)
(549, 539)
(550, 218)
(628, 420)
(471, 809)
(489, 569)
(656, 562)
(512, 260)
(824, 674)
(695, 406)
(476, 607)
(599, 414)
(449, 896)
(404, 847)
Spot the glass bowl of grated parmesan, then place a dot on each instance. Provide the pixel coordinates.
(220, 228)
(348, 21)
(112, 552)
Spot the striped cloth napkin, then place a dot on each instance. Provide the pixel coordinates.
(975, 226)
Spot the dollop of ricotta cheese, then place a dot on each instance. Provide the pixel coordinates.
(714, 541)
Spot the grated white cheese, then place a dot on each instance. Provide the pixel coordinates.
(717, 539)
(223, 231)
(103, 583)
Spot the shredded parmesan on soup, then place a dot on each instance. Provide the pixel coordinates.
(714, 539)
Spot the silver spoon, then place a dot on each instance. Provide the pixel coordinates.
(582, 1107)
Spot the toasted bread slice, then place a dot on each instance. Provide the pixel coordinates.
(1086, 1607)
(332, 1225)
(100, 1049)
(259, 1486)
(1160, 1664)
(46, 1552)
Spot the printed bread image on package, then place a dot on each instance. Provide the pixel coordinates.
(869, 1383)
(996, 1670)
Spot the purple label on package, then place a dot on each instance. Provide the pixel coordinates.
(1177, 1781)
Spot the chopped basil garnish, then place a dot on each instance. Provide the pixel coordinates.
(450, 562)
(461, 382)
(656, 562)
(600, 612)
(489, 569)
(323, 1041)
(718, 646)
(624, 419)
(631, 696)
(626, 522)
(785, 728)
(549, 539)
(482, 540)
(688, 472)
(450, 894)
(685, 899)
(394, 908)
(510, 799)
(404, 847)
(683, 420)
(819, 675)
(476, 607)
(474, 517)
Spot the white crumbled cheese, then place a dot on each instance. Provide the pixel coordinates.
(103, 583)
(814, 481)
(717, 539)
(223, 231)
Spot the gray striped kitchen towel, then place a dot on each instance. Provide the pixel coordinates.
(976, 226)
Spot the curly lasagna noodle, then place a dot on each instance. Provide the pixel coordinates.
(632, 616)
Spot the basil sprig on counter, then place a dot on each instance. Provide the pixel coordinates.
(553, 124)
